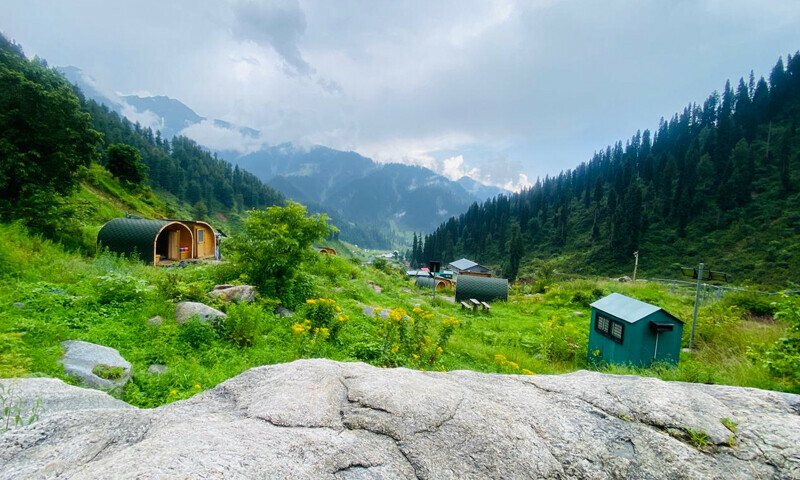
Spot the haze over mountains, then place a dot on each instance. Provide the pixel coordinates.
(393, 197)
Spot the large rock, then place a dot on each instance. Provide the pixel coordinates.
(82, 358)
(234, 293)
(186, 310)
(321, 419)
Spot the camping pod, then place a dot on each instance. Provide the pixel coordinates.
(153, 241)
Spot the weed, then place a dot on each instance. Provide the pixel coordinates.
(15, 412)
(729, 424)
(108, 372)
(699, 439)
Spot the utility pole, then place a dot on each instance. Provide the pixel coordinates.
(635, 265)
(696, 304)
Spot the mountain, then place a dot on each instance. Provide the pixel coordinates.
(716, 183)
(391, 197)
(396, 196)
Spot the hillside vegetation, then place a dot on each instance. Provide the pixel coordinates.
(717, 182)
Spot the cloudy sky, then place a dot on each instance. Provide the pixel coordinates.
(505, 91)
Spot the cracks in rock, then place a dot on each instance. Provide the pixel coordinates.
(419, 475)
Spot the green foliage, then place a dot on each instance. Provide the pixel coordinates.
(125, 163)
(783, 357)
(753, 303)
(196, 333)
(45, 139)
(242, 326)
(272, 246)
(381, 264)
(108, 372)
(729, 424)
(413, 338)
(14, 412)
(698, 439)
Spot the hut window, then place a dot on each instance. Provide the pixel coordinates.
(602, 324)
(200, 236)
(610, 328)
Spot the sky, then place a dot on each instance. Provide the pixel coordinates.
(503, 91)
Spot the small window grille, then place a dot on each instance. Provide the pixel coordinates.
(610, 328)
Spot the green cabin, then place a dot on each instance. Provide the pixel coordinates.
(624, 330)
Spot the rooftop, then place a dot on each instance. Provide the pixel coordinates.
(627, 308)
(463, 264)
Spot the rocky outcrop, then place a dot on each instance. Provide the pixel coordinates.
(96, 365)
(234, 293)
(186, 310)
(322, 419)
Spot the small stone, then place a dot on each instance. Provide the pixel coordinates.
(81, 358)
(156, 369)
(577, 314)
(186, 310)
(19, 305)
(282, 311)
(376, 288)
(234, 293)
(155, 321)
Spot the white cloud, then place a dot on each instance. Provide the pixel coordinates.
(220, 138)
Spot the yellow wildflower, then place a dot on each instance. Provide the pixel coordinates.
(513, 365)
(417, 310)
(525, 371)
(439, 350)
(197, 386)
(173, 392)
(395, 349)
(338, 308)
(298, 329)
(416, 357)
(311, 301)
(499, 358)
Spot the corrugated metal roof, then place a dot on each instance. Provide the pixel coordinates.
(463, 264)
(625, 308)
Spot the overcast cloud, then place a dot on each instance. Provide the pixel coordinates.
(503, 91)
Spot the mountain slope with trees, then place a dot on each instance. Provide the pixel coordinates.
(717, 182)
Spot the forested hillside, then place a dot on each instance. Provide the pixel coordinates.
(717, 182)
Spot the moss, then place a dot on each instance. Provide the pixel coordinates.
(108, 372)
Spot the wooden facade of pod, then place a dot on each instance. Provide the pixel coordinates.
(156, 241)
(327, 250)
(427, 282)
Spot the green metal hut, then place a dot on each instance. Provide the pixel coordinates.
(483, 289)
(153, 241)
(624, 330)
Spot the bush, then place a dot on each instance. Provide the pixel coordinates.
(242, 326)
(322, 321)
(119, 287)
(753, 303)
(410, 339)
(381, 264)
(783, 357)
(196, 333)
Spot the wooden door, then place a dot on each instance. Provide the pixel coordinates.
(199, 241)
(174, 245)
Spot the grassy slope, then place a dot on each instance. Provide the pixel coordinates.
(107, 301)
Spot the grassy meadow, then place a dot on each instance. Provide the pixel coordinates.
(50, 294)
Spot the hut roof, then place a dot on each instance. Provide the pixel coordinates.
(627, 308)
(463, 264)
(131, 236)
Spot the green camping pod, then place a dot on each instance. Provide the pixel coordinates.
(153, 241)
(626, 331)
(483, 289)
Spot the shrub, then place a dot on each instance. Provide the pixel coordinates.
(119, 287)
(381, 264)
(242, 326)
(196, 333)
(411, 338)
(753, 303)
(274, 242)
(173, 288)
(322, 320)
(783, 357)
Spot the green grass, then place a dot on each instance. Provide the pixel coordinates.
(107, 300)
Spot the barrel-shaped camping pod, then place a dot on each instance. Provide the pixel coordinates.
(153, 241)
(427, 282)
(481, 288)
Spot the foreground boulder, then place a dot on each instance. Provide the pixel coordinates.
(329, 420)
(186, 310)
(96, 365)
(234, 293)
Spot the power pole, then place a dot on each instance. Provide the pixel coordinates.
(636, 264)
(696, 304)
